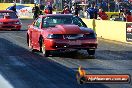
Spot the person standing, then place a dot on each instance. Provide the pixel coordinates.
(92, 11)
(36, 11)
(102, 15)
(50, 9)
(76, 11)
(66, 10)
(95, 12)
(127, 16)
(13, 8)
(104, 5)
(73, 9)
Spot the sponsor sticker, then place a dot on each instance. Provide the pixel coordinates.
(108, 78)
(83, 77)
(129, 32)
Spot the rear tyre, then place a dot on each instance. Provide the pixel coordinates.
(29, 44)
(91, 52)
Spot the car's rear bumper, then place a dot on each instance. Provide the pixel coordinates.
(75, 44)
(10, 27)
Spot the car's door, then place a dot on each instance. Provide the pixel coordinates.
(36, 33)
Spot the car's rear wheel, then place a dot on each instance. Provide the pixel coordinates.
(91, 51)
(29, 44)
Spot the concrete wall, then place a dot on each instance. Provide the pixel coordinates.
(113, 30)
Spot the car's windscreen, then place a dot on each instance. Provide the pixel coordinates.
(11, 14)
(52, 21)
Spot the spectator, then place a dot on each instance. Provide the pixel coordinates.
(66, 10)
(95, 12)
(128, 17)
(102, 15)
(76, 11)
(117, 4)
(111, 6)
(48, 8)
(104, 5)
(36, 11)
(41, 5)
(73, 9)
(92, 11)
(13, 8)
(125, 11)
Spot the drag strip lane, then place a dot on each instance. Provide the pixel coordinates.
(24, 69)
(110, 58)
(103, 63)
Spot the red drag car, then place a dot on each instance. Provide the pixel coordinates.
(9, 20)
(60, 32)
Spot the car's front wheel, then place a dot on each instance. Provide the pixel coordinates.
(44, 51)
(91, 51)
(42, 47)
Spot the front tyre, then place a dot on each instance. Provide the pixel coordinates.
(44, 51)
(91, 52)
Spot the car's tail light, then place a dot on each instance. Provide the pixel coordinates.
(55, 36)
(90, 36)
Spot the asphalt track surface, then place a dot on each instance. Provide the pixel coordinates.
(20, 68)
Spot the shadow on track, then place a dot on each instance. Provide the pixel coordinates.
(72, 55)
(38, 72)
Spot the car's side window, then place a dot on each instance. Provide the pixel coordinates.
(77, 21)
(45, 23)
(37, 23)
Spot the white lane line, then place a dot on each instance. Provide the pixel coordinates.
(4, 83)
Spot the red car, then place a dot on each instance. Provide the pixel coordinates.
(60, 32)
(9, 20)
